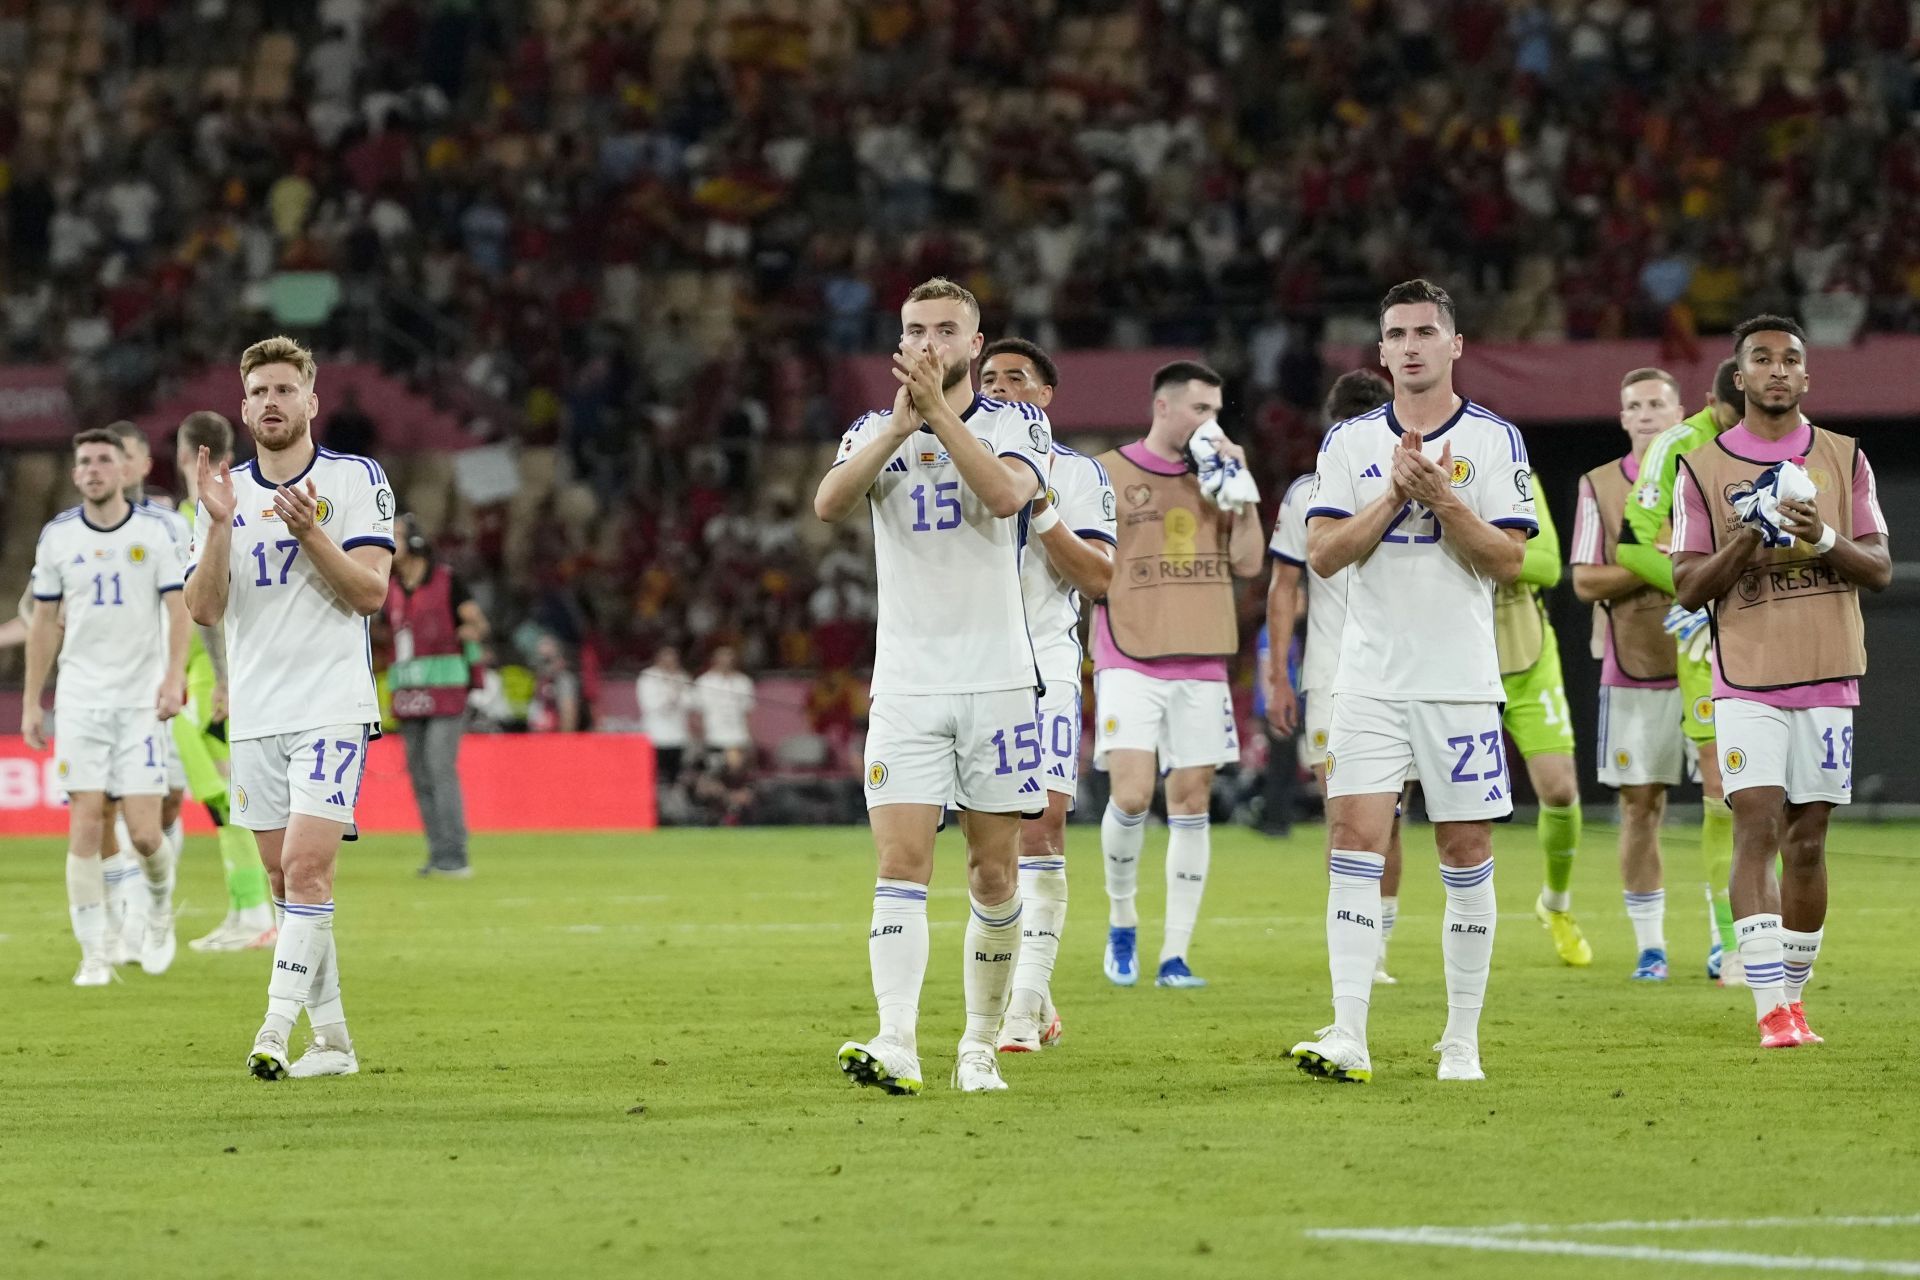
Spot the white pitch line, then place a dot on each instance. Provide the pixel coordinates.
(1700, 1224)
(1483, 1242)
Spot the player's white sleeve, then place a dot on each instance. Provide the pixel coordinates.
(45, 582)
(862, 433)
(1587, 542)
(1289, 541)
(170, 569)
(1505, 498)
(1089, 510)
(1331, 492)
(1022, 431)
(369, 508)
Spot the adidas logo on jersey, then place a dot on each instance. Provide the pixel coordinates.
(338, 798)
(1371, 473)
(898, 464)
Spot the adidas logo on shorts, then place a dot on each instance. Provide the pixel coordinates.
(338, 798)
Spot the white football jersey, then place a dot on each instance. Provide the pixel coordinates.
(948, 570)
(298, 657)
(1079, 489)
(1326, 597)
(1419, 618)
(110, 583)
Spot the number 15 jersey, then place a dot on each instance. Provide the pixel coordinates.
(298, 656)
(948, 570)
(1419, 617)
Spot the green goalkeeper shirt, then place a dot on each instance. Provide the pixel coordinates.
(1650, 503)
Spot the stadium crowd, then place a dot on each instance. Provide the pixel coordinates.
(638, 231)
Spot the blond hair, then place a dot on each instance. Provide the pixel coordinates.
(941, 289)
(279, 350)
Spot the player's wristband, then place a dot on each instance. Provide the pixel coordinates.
(1827, 538)
(1045, 521)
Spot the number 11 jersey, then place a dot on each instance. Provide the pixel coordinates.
(1419, 617)
(298, 656)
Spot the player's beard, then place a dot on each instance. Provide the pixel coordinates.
(955, 374)
(278, 436)
(1792, 405)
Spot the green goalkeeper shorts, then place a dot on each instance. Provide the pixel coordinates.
(1536, 714)
(201, 753)
(1696, 695)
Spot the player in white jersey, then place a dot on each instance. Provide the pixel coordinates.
(946, 476)
(114, 569)
(1428, 499)
(291, 552)
(1069, 559)
(1353, 394)
(128, 921)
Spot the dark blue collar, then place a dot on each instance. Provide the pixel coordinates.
(265, 483)
(1394, 422)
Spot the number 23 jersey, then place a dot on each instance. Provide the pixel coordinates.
(948, 570)
(298, 656)
(1419, 617)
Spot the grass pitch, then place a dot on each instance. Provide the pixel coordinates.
(614, 1056)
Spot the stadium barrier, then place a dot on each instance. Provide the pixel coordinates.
(513, 782)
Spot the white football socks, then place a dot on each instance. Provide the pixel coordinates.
(303, 940)
(1466, 946)
(326, 1014)
(1043, 901)
(897, 953)
(87, 905)
(1353, 934)
(992, 944)
(1763, 960)
(1121, 835)
(1648, 912)
(122, 880)
(1189, 850)
(1799, 950)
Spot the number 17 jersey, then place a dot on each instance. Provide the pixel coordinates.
(298, 656)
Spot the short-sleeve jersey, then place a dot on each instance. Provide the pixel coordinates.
(110, 583)
(1419, 616)
(952, 619)
(298, 656)
(1080, 491)
(1326, 597)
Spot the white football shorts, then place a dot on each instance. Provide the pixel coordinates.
(980, 752)
(1807, 752)
(1641, 741)
(1457, 750)
(1313, 727)
(1060, 737)
(316, 772)
(1186, 723)
(119, 750)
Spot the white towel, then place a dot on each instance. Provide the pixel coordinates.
(1224, 482)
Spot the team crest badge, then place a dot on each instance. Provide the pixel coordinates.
(324, 512)
(240, 798)
(1703, 710)
(63, 769)
(137, 554)
(876, 776)
(1462, 472)
(1319, 739)
(1110, 726)
(1053, 497)
(1329, 764)
(1622, 758)
(1736, 759)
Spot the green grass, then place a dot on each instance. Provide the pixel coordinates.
(614, 1056)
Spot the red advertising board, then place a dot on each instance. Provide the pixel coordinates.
(513, 782)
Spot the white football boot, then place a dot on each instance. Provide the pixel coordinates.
(977, 1070)
(1335, 1054)
(881, 1064)
(1459, 1060)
